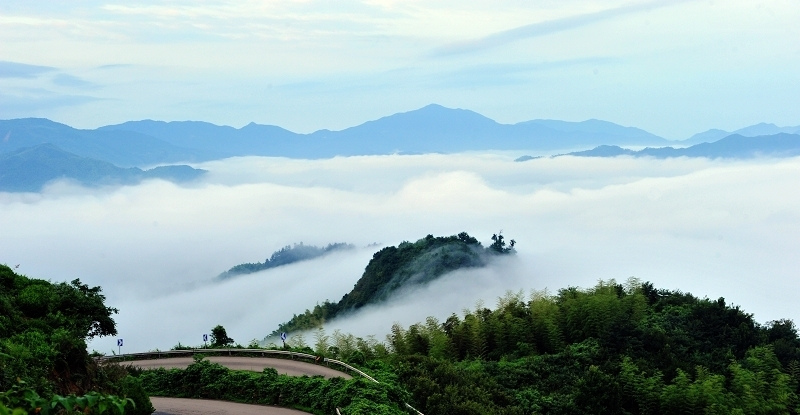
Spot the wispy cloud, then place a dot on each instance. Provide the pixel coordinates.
(547, 27)
(23, 102)
(113, 66)
(63, 79)
(22, 70)
(509, 74)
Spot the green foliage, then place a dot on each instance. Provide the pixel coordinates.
(93, 403)
(16, 411)
(219, 337)
(614, 348)
(43, 332)
(498, 245)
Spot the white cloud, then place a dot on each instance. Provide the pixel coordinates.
(713, 228)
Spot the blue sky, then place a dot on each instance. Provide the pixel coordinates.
(671, 67)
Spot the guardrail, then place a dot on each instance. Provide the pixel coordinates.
(231, 352)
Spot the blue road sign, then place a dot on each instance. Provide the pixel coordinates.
(205, 337)
(119, 342)
(283, 336)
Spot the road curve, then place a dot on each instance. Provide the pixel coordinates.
(255, 364)
(180, 406)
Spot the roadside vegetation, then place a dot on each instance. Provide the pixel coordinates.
(44, 365)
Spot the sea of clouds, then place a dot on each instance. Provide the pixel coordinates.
(714, 228)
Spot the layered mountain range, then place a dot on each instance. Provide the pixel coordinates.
(88, 156)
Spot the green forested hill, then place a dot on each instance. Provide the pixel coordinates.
(402, 266)
(612, 349)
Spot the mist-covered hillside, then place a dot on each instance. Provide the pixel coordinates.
(402, 267)
(289, 254)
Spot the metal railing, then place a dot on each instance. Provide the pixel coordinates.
(188, 352)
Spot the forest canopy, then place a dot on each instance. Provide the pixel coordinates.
(614, 349)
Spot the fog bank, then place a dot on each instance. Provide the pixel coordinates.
(713, 228)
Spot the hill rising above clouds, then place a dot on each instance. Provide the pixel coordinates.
(402, 267)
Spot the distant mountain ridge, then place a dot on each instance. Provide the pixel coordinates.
(433, 128)
(733, 146)
(430, 129)
(756, 130)
(29, 169)
(122, 148)
(220, 141)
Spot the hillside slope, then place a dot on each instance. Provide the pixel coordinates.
(287, 255)
(120, 147)
(613, 349)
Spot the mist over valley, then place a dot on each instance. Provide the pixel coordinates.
(709, 227)
(470, 207)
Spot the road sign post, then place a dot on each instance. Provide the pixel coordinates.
(205, 340)
(283, 339)
(119, 346)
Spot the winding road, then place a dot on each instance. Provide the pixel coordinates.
(254, 364)
(179, 406)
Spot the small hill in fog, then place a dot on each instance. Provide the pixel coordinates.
(289, 254)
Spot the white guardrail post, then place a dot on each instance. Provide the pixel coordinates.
(262, 352)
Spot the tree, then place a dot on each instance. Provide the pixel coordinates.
(499, 245)
(219, 337)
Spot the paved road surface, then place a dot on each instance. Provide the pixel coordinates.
(180, 406)
(256, 364)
